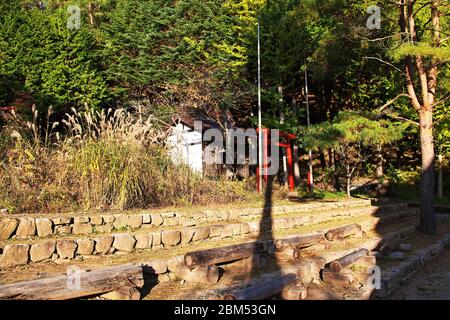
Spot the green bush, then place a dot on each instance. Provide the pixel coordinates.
(404, 184)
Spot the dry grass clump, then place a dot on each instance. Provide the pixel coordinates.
(98, 159)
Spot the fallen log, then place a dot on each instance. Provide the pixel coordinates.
(337, 265)
(199, 274)
(299, 241)
(75, 285)
(298, 252)
(294, 292)
(222, 254)
(244, 265)
(285, 255)
(343, 232)
(368, 261)
(341, 279)
(125, 293)
(293, 195)
(309, 270)
(263, 290)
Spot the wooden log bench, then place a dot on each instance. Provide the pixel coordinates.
(264, 289)
(77, 285)
(297, 242)
(223, 254)
(343, 232)
(337, 265)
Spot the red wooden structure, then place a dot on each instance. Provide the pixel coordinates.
(7, 108)
(286, 140)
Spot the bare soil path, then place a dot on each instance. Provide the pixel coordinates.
(430, 283)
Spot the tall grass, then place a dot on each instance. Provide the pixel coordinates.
(102, 160)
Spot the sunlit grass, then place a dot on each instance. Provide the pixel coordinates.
(99, 160)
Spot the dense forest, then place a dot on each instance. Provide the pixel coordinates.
(165, 57)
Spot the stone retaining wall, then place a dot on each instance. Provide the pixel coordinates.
(41, 227)
(396, 277)
(122, 243)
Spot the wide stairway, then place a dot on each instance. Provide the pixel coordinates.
(351, 249)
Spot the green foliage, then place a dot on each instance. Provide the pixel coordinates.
(404, 182)
(185, 53)
(420, 49)
(42, 57)
(321, 194)
(107, 160)
(355, 137)
(168, 56)
(352, 128)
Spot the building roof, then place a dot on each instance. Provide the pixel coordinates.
(189, 121)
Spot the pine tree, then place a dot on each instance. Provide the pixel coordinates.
(354, 136)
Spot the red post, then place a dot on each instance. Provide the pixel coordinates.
(265, 155)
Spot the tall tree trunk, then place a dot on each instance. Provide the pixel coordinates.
(425, 74)
(91, 14)
(427, 212)
(379, 172)
(323, 161)
(333, 168)
(349, 181)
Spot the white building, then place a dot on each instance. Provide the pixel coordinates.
(185, 146)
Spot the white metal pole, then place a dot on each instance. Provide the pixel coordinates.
(260, 143)
(309, 124)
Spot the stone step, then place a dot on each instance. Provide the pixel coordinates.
(62, 226)
(148, 258)
(41, 226)
(396, 273)
(391, 277)
(233, 282)
(283, 220)
(19, 252)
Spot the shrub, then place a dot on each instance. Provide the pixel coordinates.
(109, 159)
(404, 184)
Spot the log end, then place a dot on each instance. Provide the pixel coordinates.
(213, 274)
(189, 261)
(229, 296)
(294, 292)
(124, 293)
(335, 267)
(279, 246)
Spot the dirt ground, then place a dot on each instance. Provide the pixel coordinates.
(430, 283)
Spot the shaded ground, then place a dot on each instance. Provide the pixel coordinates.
(430, 283)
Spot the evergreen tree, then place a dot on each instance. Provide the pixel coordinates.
(40, 56)
(355, 138)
